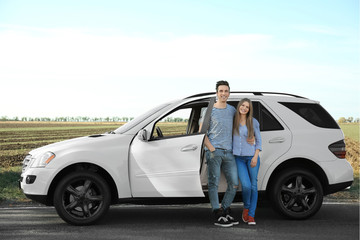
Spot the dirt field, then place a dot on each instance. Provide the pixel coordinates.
(18, 138)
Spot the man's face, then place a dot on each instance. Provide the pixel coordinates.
(223, 93)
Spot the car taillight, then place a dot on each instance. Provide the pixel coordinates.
(338, 149)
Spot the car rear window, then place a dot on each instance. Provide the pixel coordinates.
(313, 113)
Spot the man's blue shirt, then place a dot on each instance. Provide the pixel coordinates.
(221, 124)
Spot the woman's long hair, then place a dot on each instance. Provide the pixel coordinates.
(249, 119)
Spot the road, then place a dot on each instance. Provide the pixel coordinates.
(333, 221)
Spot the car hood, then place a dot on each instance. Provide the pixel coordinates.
(82, 143)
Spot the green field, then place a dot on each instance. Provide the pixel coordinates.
(351, 130)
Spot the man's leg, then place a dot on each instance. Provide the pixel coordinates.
(214, 170)
(230, 171)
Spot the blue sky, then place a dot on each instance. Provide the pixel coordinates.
(120, 58)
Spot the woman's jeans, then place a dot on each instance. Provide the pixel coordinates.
(248, 180)
(223, 160)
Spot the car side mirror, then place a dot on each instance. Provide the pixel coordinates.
(142, 135)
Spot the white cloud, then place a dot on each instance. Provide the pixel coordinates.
(74, 53)
(70, 72)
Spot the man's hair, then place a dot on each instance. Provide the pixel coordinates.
(222, 82)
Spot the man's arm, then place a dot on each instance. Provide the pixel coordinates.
(207, 141)
(251, 140)
(208, 144)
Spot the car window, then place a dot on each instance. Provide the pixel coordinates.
(180, 122)
(313, 113)
(174, 124)
(267, 121)
(126, 127)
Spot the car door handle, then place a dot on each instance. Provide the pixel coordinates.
(277, 140)
(189, 148)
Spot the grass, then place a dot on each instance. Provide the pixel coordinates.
(351, 130)
(9, 190)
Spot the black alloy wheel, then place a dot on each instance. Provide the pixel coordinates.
(297, 194)
(82, 198)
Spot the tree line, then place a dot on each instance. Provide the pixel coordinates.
(68, 119)
(81, 119)
(348, 120)
(118, 119)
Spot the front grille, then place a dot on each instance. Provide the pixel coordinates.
(26, 162)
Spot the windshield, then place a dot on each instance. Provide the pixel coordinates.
(126, 127)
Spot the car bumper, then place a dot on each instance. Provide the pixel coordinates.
(340, 175)
(36, 181)
(333, 188)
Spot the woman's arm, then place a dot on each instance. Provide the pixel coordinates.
(254, 160)
(258, 147)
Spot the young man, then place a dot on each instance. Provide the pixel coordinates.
(219, 156)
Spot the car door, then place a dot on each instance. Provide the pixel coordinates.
(276, 140)
(275, 135)
(167, 162)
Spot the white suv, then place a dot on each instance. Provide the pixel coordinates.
(153, 160)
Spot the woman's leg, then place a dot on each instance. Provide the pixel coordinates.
(243, 173)
(253, 175)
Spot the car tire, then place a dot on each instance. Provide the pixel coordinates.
(82, 198)
(296, 194)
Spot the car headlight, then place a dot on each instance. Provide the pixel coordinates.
(43, 160)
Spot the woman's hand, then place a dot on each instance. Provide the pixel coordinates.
(253, 162)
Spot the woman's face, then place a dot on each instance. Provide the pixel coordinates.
(244, 108)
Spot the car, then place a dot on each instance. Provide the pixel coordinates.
(151, 160)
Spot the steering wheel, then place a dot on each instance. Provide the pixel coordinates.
(159, 132)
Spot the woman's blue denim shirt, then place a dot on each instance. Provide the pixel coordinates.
(240, 145)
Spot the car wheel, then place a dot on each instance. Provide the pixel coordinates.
(82, 198)
(296, 194)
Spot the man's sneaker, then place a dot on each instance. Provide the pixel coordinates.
(229, 217)
(245, 215)
(251, 221)
(220, 219)
(223, 222)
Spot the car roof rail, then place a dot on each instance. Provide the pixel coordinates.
(251, 92)
(201, 95)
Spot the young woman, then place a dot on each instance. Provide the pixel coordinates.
(247, 156)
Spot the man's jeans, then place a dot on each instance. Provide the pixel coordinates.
(248, 179)
(223, 160)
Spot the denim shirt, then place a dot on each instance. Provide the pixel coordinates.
(240, 145)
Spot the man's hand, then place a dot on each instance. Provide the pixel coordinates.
(251, 140)
(208, 144)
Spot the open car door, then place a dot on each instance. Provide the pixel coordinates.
(165, 158)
